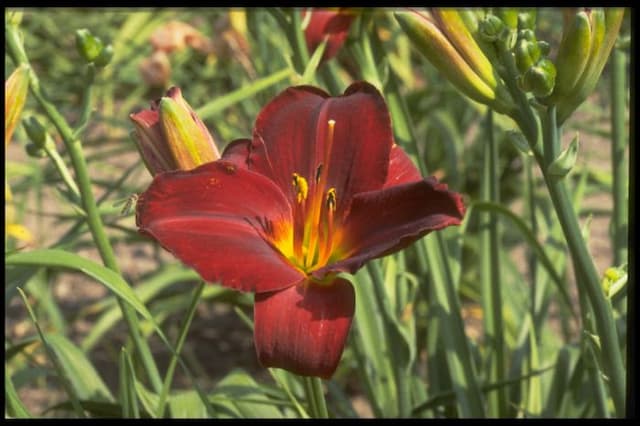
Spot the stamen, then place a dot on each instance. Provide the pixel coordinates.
(318, 172)
(301, 186)
(312, 229)
(327, 245)
(331, 200)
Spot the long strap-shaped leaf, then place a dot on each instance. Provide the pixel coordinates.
(531, 239)
(63, 259)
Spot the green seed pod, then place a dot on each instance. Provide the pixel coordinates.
(88, 45)
(540, 78)
(490, 28)
(37, 134)
(527, 55)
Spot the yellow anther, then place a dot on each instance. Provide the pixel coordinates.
(301, 186)
(331, 199)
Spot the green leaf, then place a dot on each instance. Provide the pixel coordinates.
(127, 396)
(518, 140)
(245, 92)
(534, 400)
(83, 376)
(372, 350)
(145, 291)
(231, 394)
(98, 409)
(312, 66)
(14, 350)
(54, 258)
(148, 399)
(531, 239)
(187, 405)
(13, 405)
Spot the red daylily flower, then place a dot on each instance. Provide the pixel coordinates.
(320, 189)
(334, 23)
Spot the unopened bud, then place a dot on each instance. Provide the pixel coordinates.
(509, 16)
(527, 54)
(35, 151)
(540, 78)
(527, 19)
(170, 136)
(88, 45)
(37, 134)
(491, 28)
(104, 57)
(15, 89)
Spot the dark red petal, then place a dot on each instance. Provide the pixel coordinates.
(401, 168)
(304, 328)
(293, 127)
(336, 24)
(385, 221)
(237, 152)
(220, 219)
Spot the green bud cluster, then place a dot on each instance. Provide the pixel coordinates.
(537, 72)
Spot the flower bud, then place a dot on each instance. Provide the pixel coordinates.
(527, 19)
(509, 16)
(540, 78)
(491, 28)
(104, 57)
(451, 24)
(573, 54)
(430, 41)
(527, 54)
(14, 18)
(37, 134)
(170, 135)
(544, 47)
(605, 26)
(88, 45)
(15, 89)
(35, 151)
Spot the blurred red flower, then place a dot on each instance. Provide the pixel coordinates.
(332, 23)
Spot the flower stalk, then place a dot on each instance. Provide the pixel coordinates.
(590, 283)
(74, 147)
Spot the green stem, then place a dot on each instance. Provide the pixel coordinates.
(62, 169)
(491, 294)
(401, 370)
(87, 100)
(162, 399)
(618, 163)
(315, 396)
(458, 354)
(590, 358)
(590, 284)
(74, 147)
